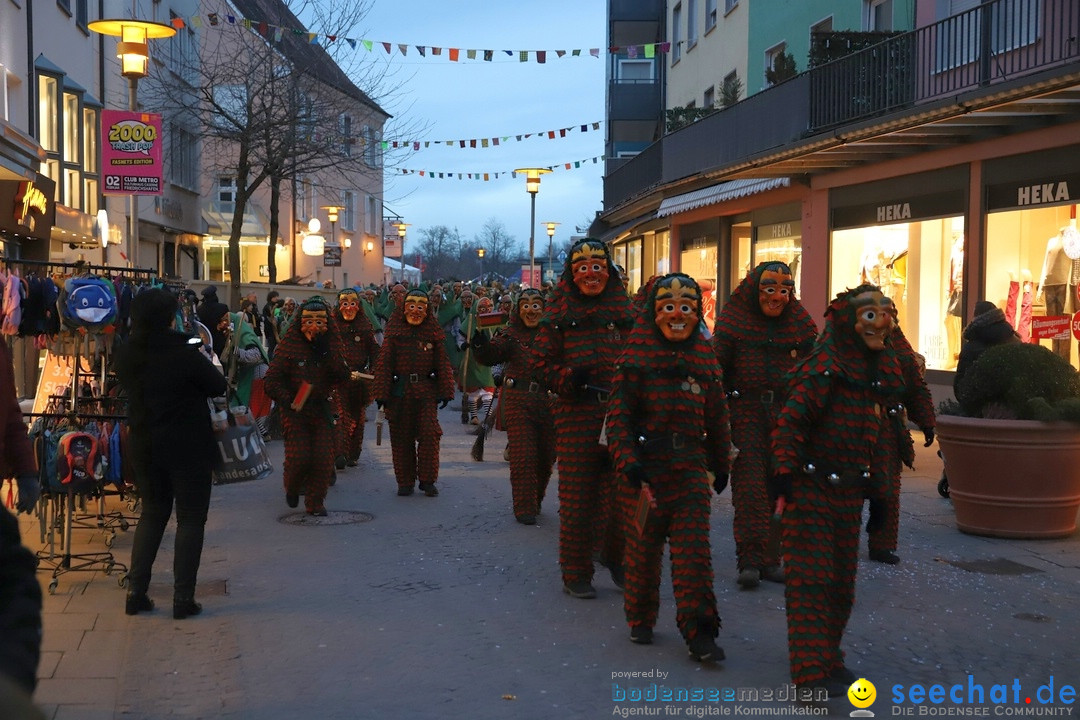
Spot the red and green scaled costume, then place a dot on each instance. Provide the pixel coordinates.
(525, 409)
(896, 449)
(310, 434)
(412, 374)
(360, 349)
(668, 428)
(579, 340)
(824, 445)
(755, 352)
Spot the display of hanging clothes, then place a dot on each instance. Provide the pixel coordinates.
(1054, 283)
(13, 296)
(1023, 327)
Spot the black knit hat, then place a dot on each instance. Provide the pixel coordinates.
(984, 306)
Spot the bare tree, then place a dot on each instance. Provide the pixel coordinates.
(441, 249)
(499, 246)
(273, 105)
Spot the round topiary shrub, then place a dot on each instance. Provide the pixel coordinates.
(1020, 381)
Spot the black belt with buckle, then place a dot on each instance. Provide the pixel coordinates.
(533, 386)
(766, 397)
(839, 478)
(417, 377)
(669, 441)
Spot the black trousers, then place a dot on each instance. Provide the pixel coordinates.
(160, 486)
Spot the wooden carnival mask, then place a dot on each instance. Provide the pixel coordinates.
(348, 305)
(416, 307)
(314, 320)
(677, 307)
(531, 308)
(873, 318)
(589, 264)
(775, 289)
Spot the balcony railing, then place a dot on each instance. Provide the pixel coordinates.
(992, 43)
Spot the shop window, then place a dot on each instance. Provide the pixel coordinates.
(781, 242)
(1033, 271)
(72, 188)
(920, 265)
(633, 265)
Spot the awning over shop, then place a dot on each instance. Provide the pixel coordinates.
(220, 223)
(718, 194)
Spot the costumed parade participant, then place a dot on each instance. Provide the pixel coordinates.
(464, 305)
(581, 335)
(245, 364)
(358, 341)
(823, 446)
(760, 334)
(668, 434)
(308, 365)
(474, 377)
(524, 405)
(896, 449)
(413, 379)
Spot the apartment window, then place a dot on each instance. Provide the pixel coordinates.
(345, 134)
(90, 139)
(183, 158)
(710, 97)
(372, 147)
(181, 57)
(226, 194)
(49, 113)
(64, 5)
(371, 218)
(879, 15)
(71, 120)
(304, 201)
(90, 196)
(230, 107)
(770, 58)
(732, 89)
(710, 15)
(348, 212)
(676, 34)
(691, 23)
(1012, 23)
(822, 27)
(635, 71)
(730, 5)
(80, 13)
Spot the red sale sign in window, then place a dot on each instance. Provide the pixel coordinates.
(131, 153)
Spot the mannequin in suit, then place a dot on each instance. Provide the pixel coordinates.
(954, 303)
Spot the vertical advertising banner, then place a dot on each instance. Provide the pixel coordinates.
(131, 154)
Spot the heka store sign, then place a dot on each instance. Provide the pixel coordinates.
(131, 153)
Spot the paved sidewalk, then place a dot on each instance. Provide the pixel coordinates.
(448, 608)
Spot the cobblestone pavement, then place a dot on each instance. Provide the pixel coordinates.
(447, 608)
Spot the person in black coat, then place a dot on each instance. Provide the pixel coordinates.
(987, 328)
(167, 381)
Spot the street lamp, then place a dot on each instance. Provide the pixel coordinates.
(480, 254)
(313, 243)
(133, 49)
(532, 186)
(332, 212)
(401, 225)
(551, 234)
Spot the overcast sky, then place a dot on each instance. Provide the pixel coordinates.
(442, 100)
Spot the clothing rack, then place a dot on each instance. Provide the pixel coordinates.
(81, 266)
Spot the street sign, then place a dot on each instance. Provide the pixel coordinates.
(561, 256)
(331, 255)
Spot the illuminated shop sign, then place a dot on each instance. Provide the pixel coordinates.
(1058, 190)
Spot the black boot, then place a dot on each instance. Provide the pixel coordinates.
(183, 607)
(137, 602)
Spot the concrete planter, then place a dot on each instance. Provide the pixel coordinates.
(1012, 478)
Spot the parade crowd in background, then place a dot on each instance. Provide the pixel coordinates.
(647, 411)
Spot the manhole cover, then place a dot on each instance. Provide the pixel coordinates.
(1000, 566)
(334, 517)
(1033, 617)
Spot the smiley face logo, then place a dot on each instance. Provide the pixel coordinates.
(862, 693)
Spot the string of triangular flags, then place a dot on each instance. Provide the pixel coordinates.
(452, 54)
(486, 142)
(488, 176)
